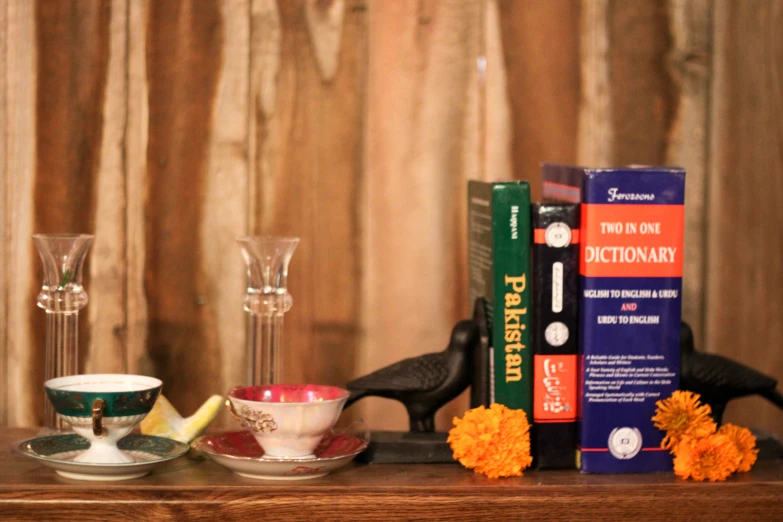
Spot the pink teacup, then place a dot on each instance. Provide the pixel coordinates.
(288, 420)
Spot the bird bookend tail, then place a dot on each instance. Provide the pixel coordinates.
(775, 397)
(353, 397)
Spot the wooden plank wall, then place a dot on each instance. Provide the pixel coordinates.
(744, 301)
(3, 218)
(169, 127)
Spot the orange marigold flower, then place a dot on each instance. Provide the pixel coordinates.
(745, 442)
(683, 417)
(494, 441)
(712, 458)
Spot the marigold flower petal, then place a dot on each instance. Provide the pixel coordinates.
(683, 416)
(494, 441)
(683, 460)
(745, 443)
(712, 458)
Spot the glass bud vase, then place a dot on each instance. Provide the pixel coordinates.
(266, 301)
(62, 296)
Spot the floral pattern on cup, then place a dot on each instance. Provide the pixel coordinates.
(257, 421)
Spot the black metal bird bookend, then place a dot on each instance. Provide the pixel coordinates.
(422, 384)
(425, 383)
(719, 379)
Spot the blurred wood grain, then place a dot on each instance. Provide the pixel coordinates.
(419, 82)
(168, 128)
(307, 64)
(595, 129)
(184, 63)
(688, 63)
(72, 95)
(643, 95)
(744, 301)
(541, 52)
(24, 397)
(106, 315)
(226, 185)
(4, 254)
(136, 140)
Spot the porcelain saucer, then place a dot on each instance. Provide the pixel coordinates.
(239, 452)
(58, 452)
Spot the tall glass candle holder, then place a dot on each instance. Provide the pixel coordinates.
(62, 296)
(266, 302)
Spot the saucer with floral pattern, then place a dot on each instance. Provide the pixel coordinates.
(239, 452)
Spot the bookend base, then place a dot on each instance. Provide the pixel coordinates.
(769, 447)
(405, 447)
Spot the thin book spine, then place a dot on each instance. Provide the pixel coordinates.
(554, 334)
(480, 280)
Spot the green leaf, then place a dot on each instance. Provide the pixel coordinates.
(65, 280)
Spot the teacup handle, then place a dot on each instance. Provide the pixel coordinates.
(98, 405)
(231, 410)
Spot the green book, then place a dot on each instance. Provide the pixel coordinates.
(499, 270)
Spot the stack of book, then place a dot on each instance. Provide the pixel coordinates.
(582, 296)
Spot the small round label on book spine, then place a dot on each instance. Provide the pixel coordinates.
(558, 235)
(556, 334)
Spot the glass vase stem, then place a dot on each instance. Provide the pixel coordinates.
(265, 343)
(62, 356)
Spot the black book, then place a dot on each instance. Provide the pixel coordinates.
(554, 333)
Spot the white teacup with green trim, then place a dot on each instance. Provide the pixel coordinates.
(103, 408)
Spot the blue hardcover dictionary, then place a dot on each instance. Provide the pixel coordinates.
(630, 283)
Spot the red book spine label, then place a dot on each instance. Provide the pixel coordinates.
(555, 390)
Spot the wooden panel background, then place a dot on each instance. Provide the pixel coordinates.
(169, 127)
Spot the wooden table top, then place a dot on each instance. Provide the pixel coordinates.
(196, 489)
